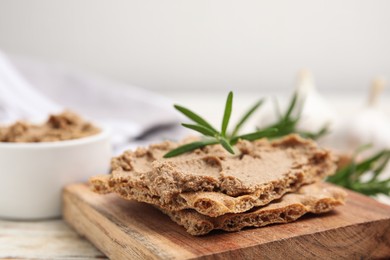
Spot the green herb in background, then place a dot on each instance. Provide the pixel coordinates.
(212, 136)
(287, 122)
(350, 176)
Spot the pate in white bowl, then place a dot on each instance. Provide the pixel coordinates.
(33, 174)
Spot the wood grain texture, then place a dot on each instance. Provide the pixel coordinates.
(46, 239)
(131, 230)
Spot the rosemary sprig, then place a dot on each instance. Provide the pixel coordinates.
(212, 136)
(287, 123)
(350, 176)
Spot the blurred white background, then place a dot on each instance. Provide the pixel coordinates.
(206, 44)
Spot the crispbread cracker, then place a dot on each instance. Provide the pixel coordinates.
(314, 198)
(214, 182)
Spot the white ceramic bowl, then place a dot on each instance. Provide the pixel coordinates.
(32, 175)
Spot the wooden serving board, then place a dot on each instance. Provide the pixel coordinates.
(131, 230)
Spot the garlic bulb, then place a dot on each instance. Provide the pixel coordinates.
(316, 111)
(370, 125)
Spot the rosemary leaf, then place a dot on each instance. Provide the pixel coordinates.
(227, 114)
(369, 163)
(225, 143)
(380, 168)
(291, 106)
(255, 135)
(201, 129)
(372, 189)
(194, 117)
(189, 147)
(323, 131)
(246, 116)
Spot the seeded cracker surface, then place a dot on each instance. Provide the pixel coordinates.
(314, 198)
(213, 182)
(64, 126)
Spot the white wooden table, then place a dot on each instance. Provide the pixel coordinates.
(53, 239)
(50, 239)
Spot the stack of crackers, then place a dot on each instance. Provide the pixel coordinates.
(264, 182)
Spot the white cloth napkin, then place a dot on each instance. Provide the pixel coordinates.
(30, 90)
(18, 99)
